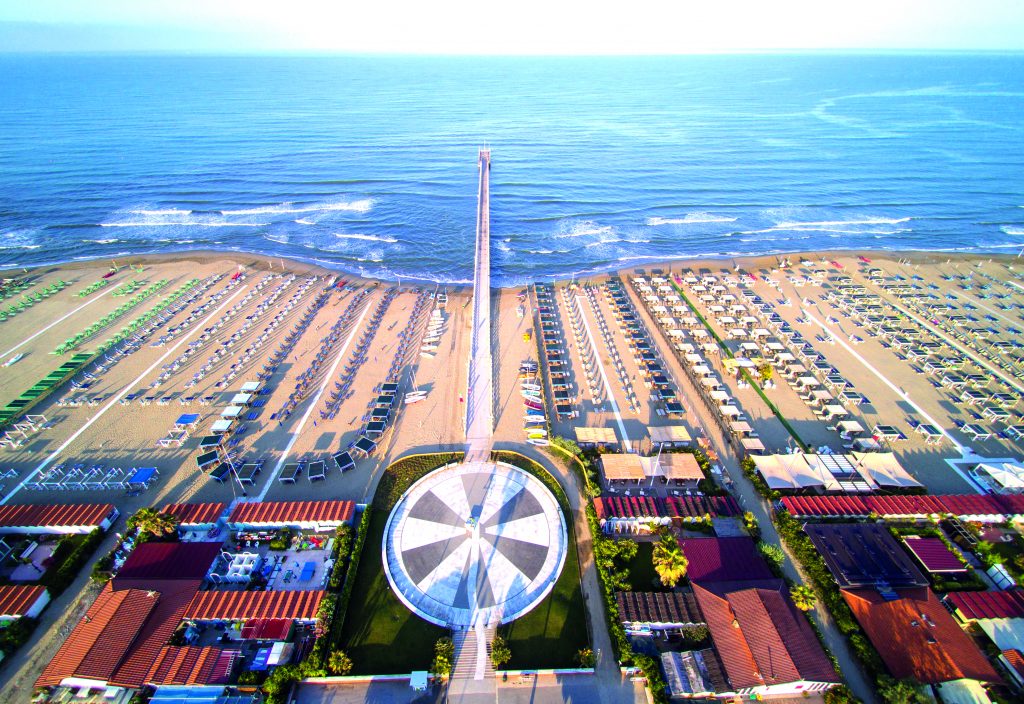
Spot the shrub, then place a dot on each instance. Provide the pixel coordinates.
(585, 657)
(339, 663)
(283, 540)
(278, 685)
(15, 634)
(772, 554)
(500, 652)
(444, 657)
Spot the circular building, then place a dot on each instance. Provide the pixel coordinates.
(475, 543)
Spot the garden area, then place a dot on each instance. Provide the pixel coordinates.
(376, 621)
(548, 636)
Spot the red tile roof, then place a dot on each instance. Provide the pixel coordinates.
(732, 647)
(723, 560)
(285, 512)
(193, 514)
(167, 561)
(266, 629)
(53, 515)
(97, 644)
(17, 599)
(974, 605)
(155, 633)
(916, 637)
(901, 506)
(761, 640)
(240, 606)
(933, 554)
(190, 665)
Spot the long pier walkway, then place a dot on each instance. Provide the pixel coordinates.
(479, 390)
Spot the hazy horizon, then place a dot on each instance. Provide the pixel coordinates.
(530, 28)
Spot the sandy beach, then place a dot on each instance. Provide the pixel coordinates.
(101, 429)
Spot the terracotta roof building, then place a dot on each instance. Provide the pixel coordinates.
(242, 606)
(56, 518)
(94, 649)
(765, 646)
(308, 515)
(916, 637)
(18, 600)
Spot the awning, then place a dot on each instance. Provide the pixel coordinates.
(669, 434)
(596, 436)
(622, 466)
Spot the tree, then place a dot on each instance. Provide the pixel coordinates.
(444, 657)
(765, 371)
(150, 521)
(339, 663)
(803, 597)
(669, 561)
(906, 691)
(500, 652)
(585, 657)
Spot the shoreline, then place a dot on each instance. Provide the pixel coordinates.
(750, 263)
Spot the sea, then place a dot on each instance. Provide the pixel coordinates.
(368, 164)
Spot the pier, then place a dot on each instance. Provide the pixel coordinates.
(479, 388)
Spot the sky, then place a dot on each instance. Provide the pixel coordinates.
(514, 27)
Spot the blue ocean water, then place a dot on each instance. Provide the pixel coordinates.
(368, 164)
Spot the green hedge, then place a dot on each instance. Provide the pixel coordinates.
(401, 475)
(68, 559)
(350, 576)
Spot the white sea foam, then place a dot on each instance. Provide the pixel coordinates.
(371, 238)
(305, 221)
(1011, 230)
(160, 211)
(584, 228)
(107, 241)
(19, 238)
(689, 219)
(356, 206)
(183, 223)
(836, 223)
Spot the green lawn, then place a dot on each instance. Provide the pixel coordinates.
(642, 577)
(551, 634)
(380, 634)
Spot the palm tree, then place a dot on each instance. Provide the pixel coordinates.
(669, 561)
(149, 520)
(803, 597)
